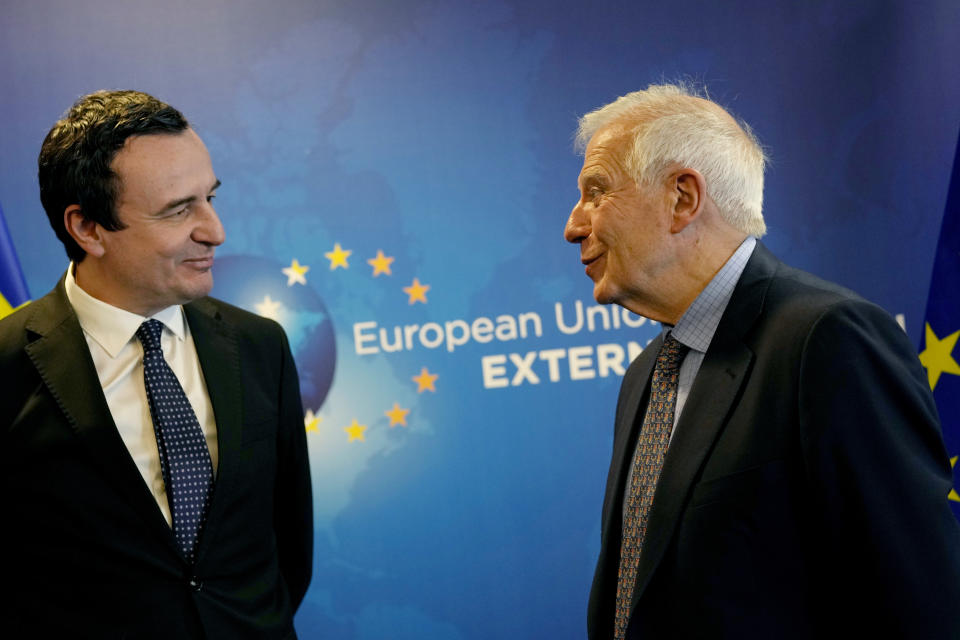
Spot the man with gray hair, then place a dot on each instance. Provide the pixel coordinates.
(778, 469)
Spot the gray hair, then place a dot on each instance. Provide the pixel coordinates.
(673, 124)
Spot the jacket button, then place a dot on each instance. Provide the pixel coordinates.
(195, 584)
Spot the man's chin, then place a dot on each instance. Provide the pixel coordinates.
(602, 294)
(198, 288)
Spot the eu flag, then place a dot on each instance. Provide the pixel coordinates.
(13, 288)
(940, 353)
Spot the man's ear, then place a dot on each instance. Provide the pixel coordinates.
(690, 193)
(84, 231)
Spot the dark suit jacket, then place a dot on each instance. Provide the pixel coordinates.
(87, 552)
(804, 492)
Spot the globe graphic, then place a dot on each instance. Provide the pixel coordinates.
(258, 285)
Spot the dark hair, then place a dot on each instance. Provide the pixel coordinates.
(75, 159)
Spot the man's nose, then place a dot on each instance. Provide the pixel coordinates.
(578, 224)
(210, 230)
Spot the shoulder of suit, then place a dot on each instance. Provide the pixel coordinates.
(781, 281)
(15, 327)
(13, 335)
(17, 331)
(800, 289)
(12, 325)
(799, 302)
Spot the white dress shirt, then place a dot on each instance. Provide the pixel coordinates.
(118, 357)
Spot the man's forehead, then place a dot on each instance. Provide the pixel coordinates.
(605, 151)
(158, 138)
(610, 135)
(152, 152)
(608, 138)
(155, 169)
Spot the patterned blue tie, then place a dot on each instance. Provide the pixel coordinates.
(184, 458)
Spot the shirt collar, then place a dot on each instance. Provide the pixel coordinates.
(699, 322)
(111, 327)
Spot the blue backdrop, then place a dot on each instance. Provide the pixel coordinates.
(396, 179)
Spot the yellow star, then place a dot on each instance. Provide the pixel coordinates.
(268, 308)
(6, 308)
(380, 264)
(338, 257)
(311, 420)
(397, 415)
(417, 291)
(295, 273)
(355, 431)
(953, 495)
(936, 357)
(425, 380)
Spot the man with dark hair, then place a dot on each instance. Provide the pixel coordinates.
(75, 159)
(778, 469)
(154, 472)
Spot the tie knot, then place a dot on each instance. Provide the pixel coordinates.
(671, 353)
(149, 334)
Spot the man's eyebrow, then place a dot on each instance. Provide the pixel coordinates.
(182, 201)
(590, 178)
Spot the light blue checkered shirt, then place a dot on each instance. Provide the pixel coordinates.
(697, 325)
(699, 322)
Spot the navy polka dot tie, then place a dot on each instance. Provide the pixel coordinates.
(184, 458)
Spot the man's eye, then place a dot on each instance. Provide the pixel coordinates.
(211, 197)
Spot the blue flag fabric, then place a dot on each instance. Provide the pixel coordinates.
(13, 288)
(940, 354)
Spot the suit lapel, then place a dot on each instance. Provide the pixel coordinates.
(59, 352)
(219, 357)
(724, 370)
(627, 428)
